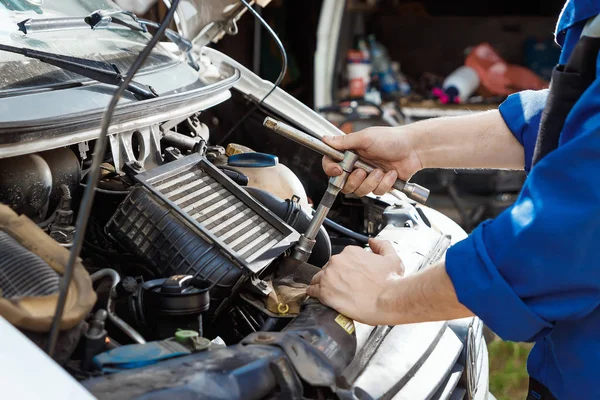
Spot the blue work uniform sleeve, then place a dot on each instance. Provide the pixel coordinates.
(537, 264)
(522, 113)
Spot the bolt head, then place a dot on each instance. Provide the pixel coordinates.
(264, 338)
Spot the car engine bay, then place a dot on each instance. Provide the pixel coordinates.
(159, 240)
(191, 252)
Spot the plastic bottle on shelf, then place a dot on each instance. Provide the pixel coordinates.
(363, 47)
(405, 87)
(458, 86)
(382, 68)
(359, 74)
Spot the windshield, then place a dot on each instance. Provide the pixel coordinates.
(119, 46)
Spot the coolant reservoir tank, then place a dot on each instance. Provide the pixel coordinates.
(266, 173)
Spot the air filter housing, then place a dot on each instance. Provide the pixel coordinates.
(187, 217)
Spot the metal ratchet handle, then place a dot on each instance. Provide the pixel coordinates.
(412, 190)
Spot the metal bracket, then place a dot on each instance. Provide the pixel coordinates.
(141, 146)
(172, 154)
(83, 148)
(259, 286)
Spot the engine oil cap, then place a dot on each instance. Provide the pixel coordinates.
(192, 340)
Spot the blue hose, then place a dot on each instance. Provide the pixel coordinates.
(345, 231)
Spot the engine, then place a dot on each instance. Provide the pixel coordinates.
(192, 244)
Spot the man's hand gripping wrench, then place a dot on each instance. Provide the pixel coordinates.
(412, 190)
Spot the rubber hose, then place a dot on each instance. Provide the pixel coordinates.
(322, 250)
(346, 231)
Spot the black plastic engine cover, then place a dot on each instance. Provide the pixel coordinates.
(188, 218)
(156, 233)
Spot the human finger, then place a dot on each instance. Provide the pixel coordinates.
(314, 291)
(355, 179)
(351, 141)
(370, 183)
(331, 167)
(382, 247)
(316, 279)
(386, 183)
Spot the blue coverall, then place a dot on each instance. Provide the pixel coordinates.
(533, 273)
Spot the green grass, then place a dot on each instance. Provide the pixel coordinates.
(508, 373)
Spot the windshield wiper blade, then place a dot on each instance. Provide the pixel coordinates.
(32, 25)
(97, 70)
(102, 19)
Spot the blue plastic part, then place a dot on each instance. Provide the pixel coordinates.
(253, 160)
(138, 355)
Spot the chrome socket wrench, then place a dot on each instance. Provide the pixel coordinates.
(304, 247)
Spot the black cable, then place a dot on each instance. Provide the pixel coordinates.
(89, 192)
(108, 191)
(423, 216)
(284, 65)
(46, 223)
(345, 231)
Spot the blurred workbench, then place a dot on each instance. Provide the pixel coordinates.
(416, 110)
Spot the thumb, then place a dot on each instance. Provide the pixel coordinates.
(352, 141)
(382, 247)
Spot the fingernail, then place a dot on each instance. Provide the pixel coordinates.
(378, 174)
(329, 138)
(337, 171)
(361, 174)
(393, 175)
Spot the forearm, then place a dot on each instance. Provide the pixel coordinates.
(425, 296)
(480, 140)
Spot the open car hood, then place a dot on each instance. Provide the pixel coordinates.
(207, 21)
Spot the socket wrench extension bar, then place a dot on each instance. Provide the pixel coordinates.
(304, 247)
(412, 190)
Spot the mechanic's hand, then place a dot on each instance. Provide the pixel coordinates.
(353, 281)
(389, 148)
